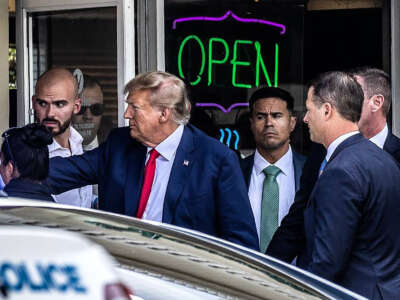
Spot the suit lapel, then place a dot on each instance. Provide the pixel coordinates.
(180, 172)
(134, 177)
(298, 166)
(346, 143)
(391, 144)
(247, 167)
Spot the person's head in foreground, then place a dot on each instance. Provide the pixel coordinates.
(24, 153)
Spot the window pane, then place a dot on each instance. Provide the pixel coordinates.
(85, 40)
(224, 50)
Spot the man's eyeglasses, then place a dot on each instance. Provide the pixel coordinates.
(96, 109)
(5, 136)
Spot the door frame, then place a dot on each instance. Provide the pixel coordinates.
(125, 47)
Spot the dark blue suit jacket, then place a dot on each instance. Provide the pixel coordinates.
(298, 162)
(25, 188)
(204, 191)
(289, 239)
(352, 220)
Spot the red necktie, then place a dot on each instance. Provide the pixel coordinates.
(149, 171)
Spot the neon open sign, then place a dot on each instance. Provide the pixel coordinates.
(208, 57)
(211, 59)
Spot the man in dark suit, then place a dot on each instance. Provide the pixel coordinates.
(271, 122)
(376, 85)
(352, 220)
(160, 169)
(289, 239)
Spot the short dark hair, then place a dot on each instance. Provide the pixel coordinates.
(272, 92)
(26, 147)
(342, 91)
(376, 82)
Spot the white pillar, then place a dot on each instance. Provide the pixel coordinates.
(4, 104)
(395, 14)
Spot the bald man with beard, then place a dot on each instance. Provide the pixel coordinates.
(55, 101)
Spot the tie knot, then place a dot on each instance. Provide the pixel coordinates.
(271, 170)
(153, 154)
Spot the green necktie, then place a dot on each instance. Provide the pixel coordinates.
(269, 206)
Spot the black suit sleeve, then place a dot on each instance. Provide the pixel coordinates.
(289, 239)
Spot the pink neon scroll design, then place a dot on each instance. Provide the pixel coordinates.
(221, 107)
(225, 16)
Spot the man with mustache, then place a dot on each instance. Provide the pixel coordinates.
(273, 173)
(55, 102)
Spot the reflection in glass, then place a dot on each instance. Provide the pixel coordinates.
(84, 39)
(89, 121)
(225, 50)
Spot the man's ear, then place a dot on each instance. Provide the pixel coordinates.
(293, 121)
(77, 105)
(376, 102)
(165, 114)
(8, 172)
(327, 110)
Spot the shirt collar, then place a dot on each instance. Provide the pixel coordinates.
(380, 138)
(284, 163)
(92, 145)
(74, 138)
(167, 148)
(332, 147)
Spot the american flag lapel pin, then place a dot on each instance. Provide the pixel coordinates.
(185, 162)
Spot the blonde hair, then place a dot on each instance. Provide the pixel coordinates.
(166, 90)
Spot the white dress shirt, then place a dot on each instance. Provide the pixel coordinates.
(167, 150)
(332, 147)
(79, 197)
(92, 145)
(380, 138)
(285, 180)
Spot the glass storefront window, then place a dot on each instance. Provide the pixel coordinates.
(224, 50)
(85, 42)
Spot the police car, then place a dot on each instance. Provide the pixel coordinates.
(156, 261)
(43, 263)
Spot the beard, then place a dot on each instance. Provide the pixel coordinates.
(62, 127)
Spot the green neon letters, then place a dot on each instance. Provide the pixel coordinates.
(236, 62)
(202, 58)
(212, 61)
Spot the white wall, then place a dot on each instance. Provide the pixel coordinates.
(4, 104)
(395, 13)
